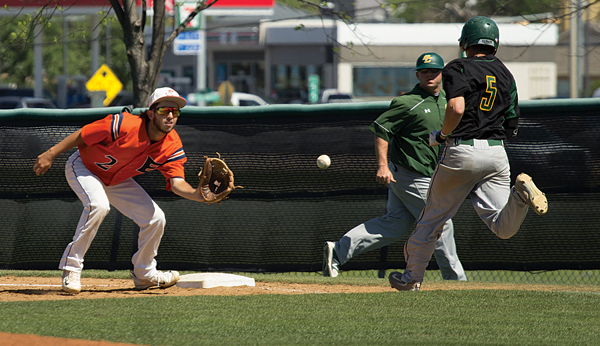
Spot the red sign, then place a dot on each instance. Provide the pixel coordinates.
(169, 5)
(53, 3)
(244, 3)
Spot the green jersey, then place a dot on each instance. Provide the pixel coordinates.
(406, 125)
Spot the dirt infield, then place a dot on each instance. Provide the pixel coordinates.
(35, 288)
(34, 340)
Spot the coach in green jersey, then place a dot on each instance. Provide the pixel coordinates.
(404, 130)
(405, 126)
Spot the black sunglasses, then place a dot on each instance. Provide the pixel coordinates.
(430, 70)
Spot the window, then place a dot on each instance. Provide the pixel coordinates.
(383, 81)
(290, 82)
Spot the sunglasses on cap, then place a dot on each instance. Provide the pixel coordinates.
(166, 110)
(430, 70)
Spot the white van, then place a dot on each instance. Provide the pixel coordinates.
(334, 96)
(243, 99)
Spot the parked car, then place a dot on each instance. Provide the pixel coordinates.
(23, 92)
(335, 96)
(123, 98)
(244, 99)
(14, 102)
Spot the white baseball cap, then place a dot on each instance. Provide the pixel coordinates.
(166, 94)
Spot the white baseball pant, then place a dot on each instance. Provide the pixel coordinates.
(130, 199)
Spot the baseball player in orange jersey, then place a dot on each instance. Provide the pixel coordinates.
(112, 151)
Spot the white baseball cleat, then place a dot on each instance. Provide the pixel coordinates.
(71, 281)
(531, 194)
(160, 279)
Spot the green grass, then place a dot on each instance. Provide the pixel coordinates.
(395, 318)
(444, 317)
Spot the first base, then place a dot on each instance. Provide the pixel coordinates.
(209, 280)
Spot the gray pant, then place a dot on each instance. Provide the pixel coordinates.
(480, 171)
(406, 200)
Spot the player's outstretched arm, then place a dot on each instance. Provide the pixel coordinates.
(45, 160)
(181, 188)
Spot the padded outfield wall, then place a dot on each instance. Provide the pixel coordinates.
(288, 207)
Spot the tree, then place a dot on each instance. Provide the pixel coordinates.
(443, 11)
(145, 68)
(17, 36)
(16, 50)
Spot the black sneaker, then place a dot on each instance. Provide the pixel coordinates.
(399, 284)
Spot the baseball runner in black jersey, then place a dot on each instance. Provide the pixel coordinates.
(481, 113)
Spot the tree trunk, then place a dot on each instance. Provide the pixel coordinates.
(145, 70)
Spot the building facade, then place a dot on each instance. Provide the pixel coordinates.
(274, 57)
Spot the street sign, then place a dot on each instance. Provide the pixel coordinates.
(105, 80)
(313, 88)
(212, 96)
(188, 43)
(184, 9)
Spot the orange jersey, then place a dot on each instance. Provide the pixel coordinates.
(118, 148)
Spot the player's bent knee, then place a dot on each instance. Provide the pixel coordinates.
(159, 217)
(506, 234)
(99, 208)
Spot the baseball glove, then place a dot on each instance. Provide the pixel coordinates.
(216, 180)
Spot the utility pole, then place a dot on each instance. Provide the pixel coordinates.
(201, 59)
(95, 43)
(576, 49)
(38, 61)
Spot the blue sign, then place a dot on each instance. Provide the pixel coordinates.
(188, 43)
(189, 35)
(188, 47)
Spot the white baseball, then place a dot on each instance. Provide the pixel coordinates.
(323, 161)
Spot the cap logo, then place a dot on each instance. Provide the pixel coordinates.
(427, 58)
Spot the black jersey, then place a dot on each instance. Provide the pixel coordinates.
(490, 96)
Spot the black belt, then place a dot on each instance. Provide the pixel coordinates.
(491, 142)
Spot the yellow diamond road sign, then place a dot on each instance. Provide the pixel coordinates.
(105, 80)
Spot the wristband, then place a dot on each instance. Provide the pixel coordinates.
(443, 135)
(439, 138)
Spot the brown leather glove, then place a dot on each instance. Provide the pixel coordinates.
(216, 180)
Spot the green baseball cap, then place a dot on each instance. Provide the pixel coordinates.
(430, 60)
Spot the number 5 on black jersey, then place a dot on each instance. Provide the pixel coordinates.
(487, 103)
